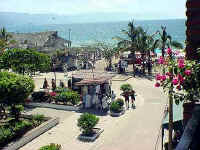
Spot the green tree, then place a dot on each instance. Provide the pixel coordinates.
(130, 42)
(25, 61)
(108, 52)
(165, 41)
(14, 89)
(87, 122)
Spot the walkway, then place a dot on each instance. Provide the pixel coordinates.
(136, 129)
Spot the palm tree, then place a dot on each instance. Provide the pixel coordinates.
(166, 41)
(145, 45)
(130, 42)
(108, 52)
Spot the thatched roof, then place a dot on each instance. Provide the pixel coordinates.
(42, 41)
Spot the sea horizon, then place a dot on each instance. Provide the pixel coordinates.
(90, 32)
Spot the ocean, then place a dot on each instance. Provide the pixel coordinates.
(86, 33)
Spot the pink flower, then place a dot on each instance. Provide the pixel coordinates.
(52, 93)
(175, 81)
(163, 77)
(169, 51)
(180, 78)
(158, 77)
(181, 61)
(187, 72)
(181, 65)
(157, 84)
(178, 87)
(161, 60)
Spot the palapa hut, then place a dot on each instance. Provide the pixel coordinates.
(94, 87)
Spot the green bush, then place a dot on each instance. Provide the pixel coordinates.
(21, 125)
(9, 132)
(87, 122)
(5, 134)
(39, 96)
(14, 89)
(38, 119)
(16, 110)
(126, 87)
(75, 98)
(115, 107)
(51, 146)
(60, 90)
(69, 96)
(120, 101)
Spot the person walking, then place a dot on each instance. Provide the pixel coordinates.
(113, 96)
(53, 84)
(133, 99)
(126, 97)
(62, 84)
(45, 84)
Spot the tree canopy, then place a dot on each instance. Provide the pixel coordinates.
(24, 61)
(14, 89)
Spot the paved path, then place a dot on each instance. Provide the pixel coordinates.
(135, 130)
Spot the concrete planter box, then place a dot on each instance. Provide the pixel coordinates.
(113, 114)
(54, 106)
(91, 138)
(32, 134)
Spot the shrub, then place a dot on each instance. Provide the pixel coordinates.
(38, 119)
(51, 146)
(120, 102)
(126, 87)
(60, 90)
(75, 98)
(69, 96)
(39, 96)
(21, 126)
(8, 132)
(16, 110)
(5, 135)
(115, 107)
(87, 122)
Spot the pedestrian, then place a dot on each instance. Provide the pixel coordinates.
(61, 84)
(45, 84)
(133, 99)
(53, 84)
(113, 96)
(126, 96)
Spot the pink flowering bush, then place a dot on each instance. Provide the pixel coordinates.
(182, 78)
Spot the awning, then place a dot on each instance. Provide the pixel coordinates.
(92, 81)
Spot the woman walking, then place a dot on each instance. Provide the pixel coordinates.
(133, 99)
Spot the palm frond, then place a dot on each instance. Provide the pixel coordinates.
(177, 44)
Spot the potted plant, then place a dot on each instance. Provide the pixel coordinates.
(116, 107)
(86, 123)
(51, 146)
(126, 87)
(182, 81)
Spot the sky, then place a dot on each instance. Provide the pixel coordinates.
(142, 9)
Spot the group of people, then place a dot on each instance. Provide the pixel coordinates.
(53, 84)
(127, 96)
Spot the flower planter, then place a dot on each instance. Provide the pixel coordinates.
(92, 137)
(117, 114)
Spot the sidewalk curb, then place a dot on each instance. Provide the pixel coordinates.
(33, 134)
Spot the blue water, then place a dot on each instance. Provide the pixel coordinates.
(92, 32)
